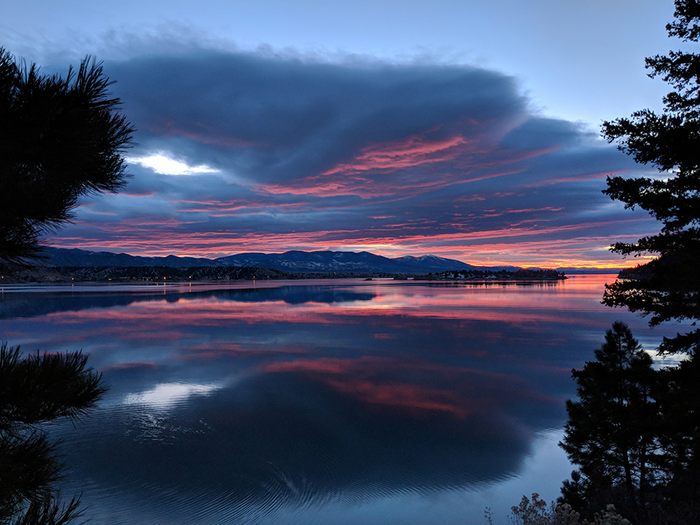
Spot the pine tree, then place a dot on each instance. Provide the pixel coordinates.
(611, 432)
(33, 390)
(60, 138)
(668, 287)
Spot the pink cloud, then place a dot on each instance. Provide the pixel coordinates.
(401, 154)
(380, 170)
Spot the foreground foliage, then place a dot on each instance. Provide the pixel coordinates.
(634, 433)
(33, 390)
(610, 431)
(535, 511)
(60, 138)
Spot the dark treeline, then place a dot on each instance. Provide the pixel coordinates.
(66, 274)
(146, 274)
(523, 274)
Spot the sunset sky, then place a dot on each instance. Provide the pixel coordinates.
(459, 128)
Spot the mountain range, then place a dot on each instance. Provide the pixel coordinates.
(291, 261)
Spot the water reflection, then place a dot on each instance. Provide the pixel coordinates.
(14, 303)
(282, 440)
(251, 404)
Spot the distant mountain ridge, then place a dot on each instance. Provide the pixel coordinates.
(291, 261)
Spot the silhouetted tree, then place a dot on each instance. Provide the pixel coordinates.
(668, 287)
(612, 430)
(679, 436)
(33, 390)
(60, 138)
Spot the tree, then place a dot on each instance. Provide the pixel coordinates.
(679, 437)
(668, 287)
(60, 138)
(612, 429)
(34, 390)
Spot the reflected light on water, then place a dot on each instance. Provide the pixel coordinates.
(168, 395)
(320, 401)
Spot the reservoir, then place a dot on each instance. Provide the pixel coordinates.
(318, 402)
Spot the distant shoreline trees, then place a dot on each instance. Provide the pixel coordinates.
(68, 274)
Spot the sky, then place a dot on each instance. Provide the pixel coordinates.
(458, 128)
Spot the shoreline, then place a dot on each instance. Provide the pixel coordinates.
(210, 275)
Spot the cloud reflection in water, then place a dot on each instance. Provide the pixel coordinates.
(278, 440)
(168, 395)
(239, 403)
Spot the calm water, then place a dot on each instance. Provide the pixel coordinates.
(317, 401)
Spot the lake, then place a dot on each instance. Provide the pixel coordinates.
(330, 401)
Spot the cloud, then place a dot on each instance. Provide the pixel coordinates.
(165, 165)
(273, 120)
(290, 152)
